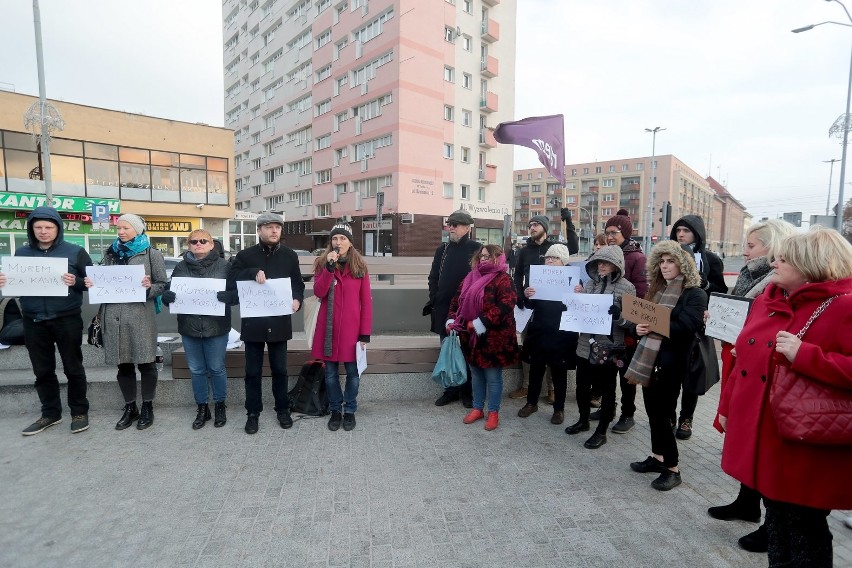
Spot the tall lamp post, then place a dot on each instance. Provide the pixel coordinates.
(650, 223)
(830, 176)
(842, 124)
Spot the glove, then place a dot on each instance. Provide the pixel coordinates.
(169, 297)
(224, 296)
(427, 309)
(615, 311)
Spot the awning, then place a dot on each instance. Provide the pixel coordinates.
(318, 233)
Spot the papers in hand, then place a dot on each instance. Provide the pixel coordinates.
(360, 357)
(522, 318)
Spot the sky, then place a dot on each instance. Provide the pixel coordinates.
(741, 97)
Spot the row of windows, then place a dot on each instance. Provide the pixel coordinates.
(586, 171)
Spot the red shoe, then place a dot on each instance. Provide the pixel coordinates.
(492, 421)
(473, 416)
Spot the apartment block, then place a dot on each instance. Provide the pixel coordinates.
(373, 111)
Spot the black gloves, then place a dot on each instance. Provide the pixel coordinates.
(615, 311)
(427, 309)
(169, 297)
(225, 296)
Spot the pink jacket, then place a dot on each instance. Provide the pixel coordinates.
(352, 314)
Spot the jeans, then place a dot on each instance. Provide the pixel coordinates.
(66, 333)
(798, 536)
(488, 382)
(254, 375)
(660, 404)
(345, 400)
(206, 355)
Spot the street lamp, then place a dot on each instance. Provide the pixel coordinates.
(650, 223)
(844, 126)
(830, 176)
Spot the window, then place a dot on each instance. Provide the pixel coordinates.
(625, 167)
(301, 197)
(323, 38)
(536, 188)
(339, 154)
(323, 176)
(449, 113)
(322, 142)
(638, 166)
(302, 167)
(299, 137)
(597, 169)
(535, 201)
(465, 191)
(324, 210)
(323, 107)
(255, 190)
(465, 155)
(611, 169)
(585, 171)
(467, 117)
(574, 172)
(371, 109)
(481, 195)
(323, 73)
(607, 212)
(448, 151)
(255, 164)
(300, 40)
(374, 28)
(255, 138)
(368, 187)
(467, 43)
(448, 190)
(368, 149)
(300, 73)
(467, 81)
(609, 182)
(520, 177)
(449, 74)
(300, 105)
(449, 34)
(268, 176)
(572, 199)
(368, 71)
(571, 185)
(467, 6)
(607, 197)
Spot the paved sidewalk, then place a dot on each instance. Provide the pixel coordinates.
(410, 486)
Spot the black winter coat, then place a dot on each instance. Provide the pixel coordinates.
(211, 266)
(712, 268)
(444, 281)
(278, 261)
(687, 318)
(528, 255)
(545, 343)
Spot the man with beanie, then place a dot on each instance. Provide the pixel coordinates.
(450, 265)
(690, 233)
(55, 321)
(268, 259)
(619, 232)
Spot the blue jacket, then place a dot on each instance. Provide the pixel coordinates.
(51, 307)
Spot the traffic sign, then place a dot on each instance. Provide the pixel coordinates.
(100, 217)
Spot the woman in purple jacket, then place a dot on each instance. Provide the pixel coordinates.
(344, 319)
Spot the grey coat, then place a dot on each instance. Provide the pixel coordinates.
(130, 332)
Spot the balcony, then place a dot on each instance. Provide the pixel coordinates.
(486, 138)
(491, 3)
(489, 103)
(490, 30)
(489, 67)
(488, 174)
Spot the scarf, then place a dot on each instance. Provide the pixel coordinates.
(751, 274)
(473, 290)
(134, 246)
(642, 365)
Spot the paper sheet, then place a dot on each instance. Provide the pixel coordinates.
(360, 357)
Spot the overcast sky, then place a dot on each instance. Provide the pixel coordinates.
(741, 97)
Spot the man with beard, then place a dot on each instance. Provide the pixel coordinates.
(449, 267)
(268, 259)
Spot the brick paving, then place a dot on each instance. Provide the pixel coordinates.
(410, 486)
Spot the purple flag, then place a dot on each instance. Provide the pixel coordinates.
(544, 134)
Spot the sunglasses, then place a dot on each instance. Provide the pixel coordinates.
(198, 241)
(453, 225)
(612, 233)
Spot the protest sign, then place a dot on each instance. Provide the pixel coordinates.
(552, 282)
(34, 276)
(727, 316)
(587, 313)
(117, 284)
(522, 318)
(272, 298)
(197, 296)
(638, 311)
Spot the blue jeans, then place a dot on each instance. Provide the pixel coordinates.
(342, 401)
(490, 380)
(206, 355)
(254, 375)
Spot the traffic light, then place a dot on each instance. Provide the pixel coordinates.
(666, 214)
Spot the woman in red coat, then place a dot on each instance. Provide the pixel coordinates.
(800, 482)
(344, 319)
(483, 313)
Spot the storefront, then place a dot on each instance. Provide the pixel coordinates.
(242, 231)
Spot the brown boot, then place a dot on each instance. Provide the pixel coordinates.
(551, 396)
(519, 393)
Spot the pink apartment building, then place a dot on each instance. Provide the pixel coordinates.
(340, 105)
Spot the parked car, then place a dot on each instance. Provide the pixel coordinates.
(310, 274)
(171, 262)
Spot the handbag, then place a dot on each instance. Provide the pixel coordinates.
(310, 310)
(607, 353)
(807, 410)
(451, 368)
(702, 365)
(96, 334)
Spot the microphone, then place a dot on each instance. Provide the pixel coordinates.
(336, 250)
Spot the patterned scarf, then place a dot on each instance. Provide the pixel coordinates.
(134, 246)
(751, 274)
(642, 365)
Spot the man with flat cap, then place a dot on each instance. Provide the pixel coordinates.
(449, 267)
(268, 259)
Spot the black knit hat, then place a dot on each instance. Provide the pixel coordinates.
(341, 229)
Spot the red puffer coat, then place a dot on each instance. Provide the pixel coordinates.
(754, 453)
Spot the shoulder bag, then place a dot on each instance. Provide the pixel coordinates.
(702, 365)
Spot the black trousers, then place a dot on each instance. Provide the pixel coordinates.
(66, 333)
(559, 374)
(799, 536)
(599, 378)
(465, 390)
(254, 375)
(660, 403)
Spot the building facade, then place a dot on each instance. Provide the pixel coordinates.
(375, 112)
(178, 176)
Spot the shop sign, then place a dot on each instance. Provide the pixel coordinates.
(67, 203)
(168, 226)
(387, 225)
(11, 222)
(245, 216)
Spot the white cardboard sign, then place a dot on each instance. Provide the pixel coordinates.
(587, 313)
(553, 282)
(272, 298)
(727, 316)
(197, 296)
(34, 276)
(118, 284)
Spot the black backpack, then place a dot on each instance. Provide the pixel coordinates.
(11, 324)
(309, 395)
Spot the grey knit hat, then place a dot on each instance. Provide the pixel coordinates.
(541, 220)
(267, 218)
(135, 221)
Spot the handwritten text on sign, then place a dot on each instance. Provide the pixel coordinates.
(272, 298)
(553, 282)
(587, 313)
(197, 296)
(638, 311)
(116, 284)
(31, 276)
(727, 316)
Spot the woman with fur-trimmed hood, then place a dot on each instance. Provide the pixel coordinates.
(659, 364)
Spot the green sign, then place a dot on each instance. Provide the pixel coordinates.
(66, 203)
(12, 224)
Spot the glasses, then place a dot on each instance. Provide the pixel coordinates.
(552, 258)
(198, 241)
(453, 225)
(612, 233)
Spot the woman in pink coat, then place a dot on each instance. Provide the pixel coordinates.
(800, 482)
(344, 319)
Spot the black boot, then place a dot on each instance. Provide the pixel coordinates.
(219, 411)
(581, 425)
(745, 507)
(131, 413)
(202, 416)
(598, 439)
(146, 415)
(756, 541)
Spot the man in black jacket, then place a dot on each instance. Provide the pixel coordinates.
(449, 267)
(267, 260)
(55, 320)
(690, 233)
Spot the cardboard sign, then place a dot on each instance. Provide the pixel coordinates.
(553, 282)
(587, 313)
(117, 284)
(272, 298)
(197, 296)
(638, 311)
(727, 316)
(34, 276)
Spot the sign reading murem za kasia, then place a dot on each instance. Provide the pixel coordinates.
(67, 203)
